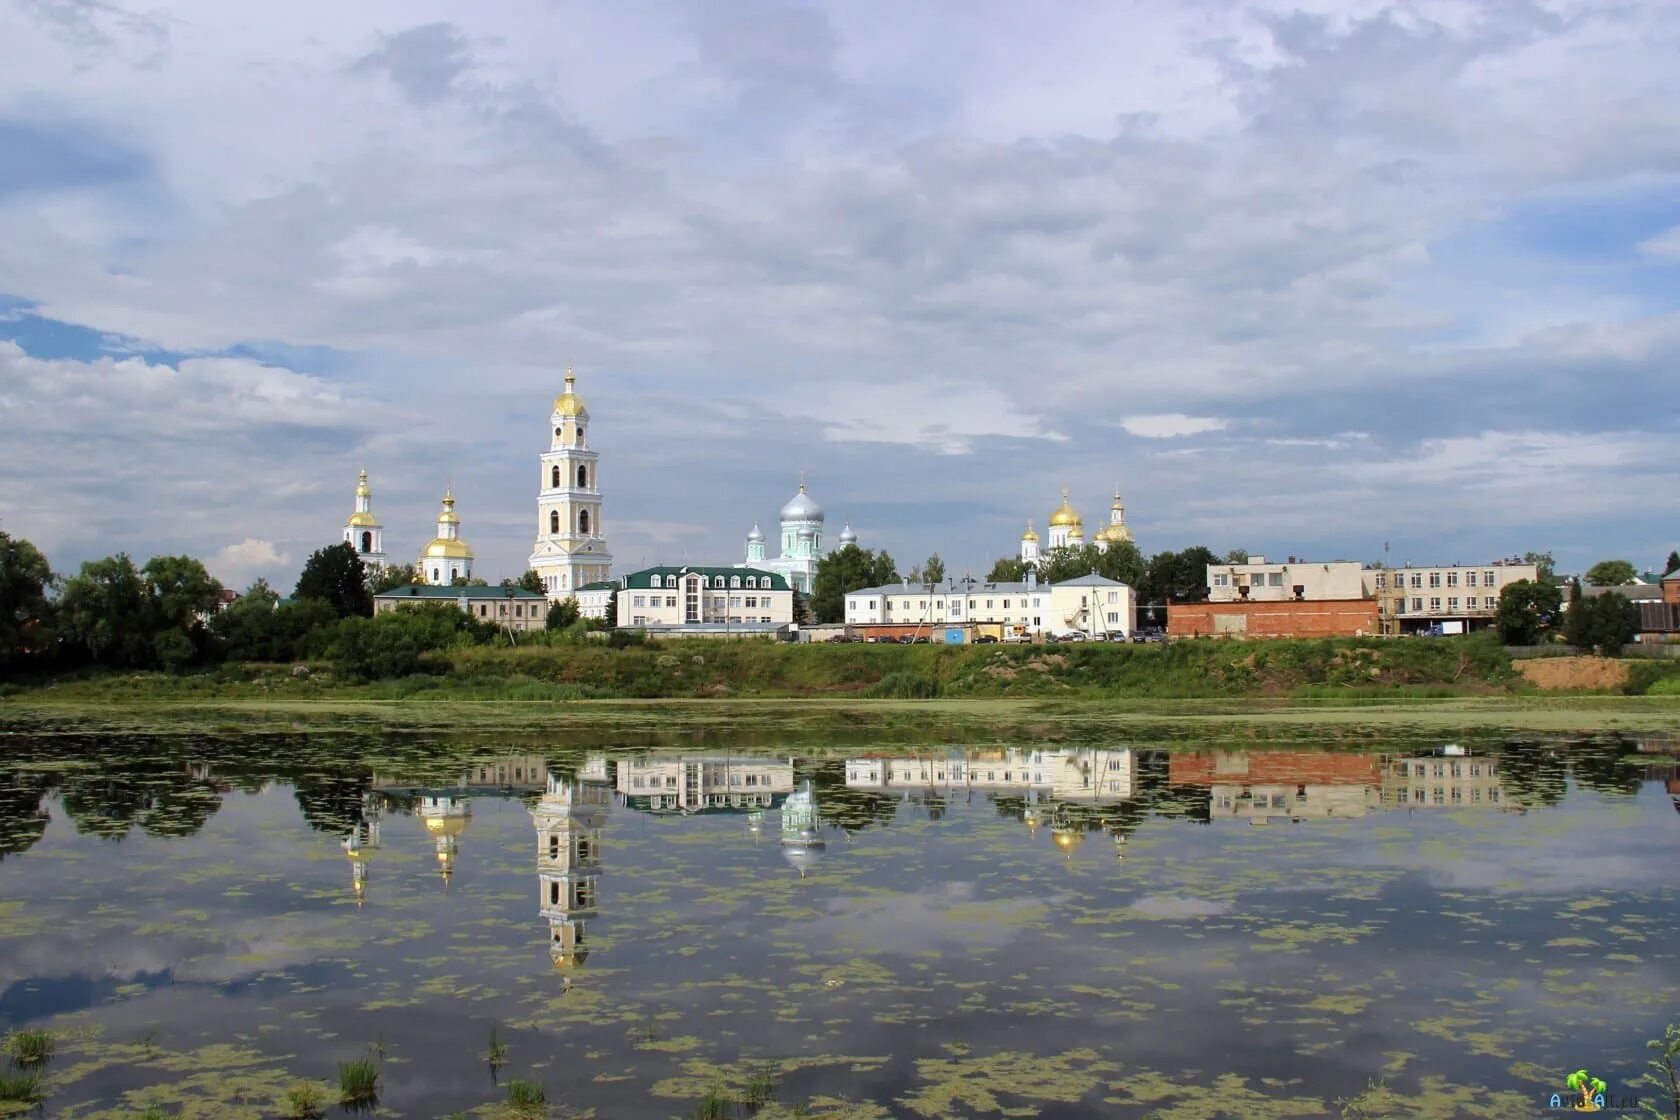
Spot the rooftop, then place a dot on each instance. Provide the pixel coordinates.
(430, 591)
(646, 576)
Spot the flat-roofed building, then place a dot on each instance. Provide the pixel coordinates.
(692, 600)
(1092, 604)
(512, 607)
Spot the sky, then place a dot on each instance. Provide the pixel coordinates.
(1307, 278)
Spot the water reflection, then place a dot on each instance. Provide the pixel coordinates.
(570, 818)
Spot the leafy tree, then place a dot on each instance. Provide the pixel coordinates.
(257, 627)
(25, 613)
(1178, 577)
(1673, 564)
(335, 575)
(387, 579)
(1528, 611)
(395, 643)
(846, 569)
(105, 609)
(530, 581)
(802, 608)
(933, 571)
(465, 581)
(1547, 568)
(1008, 569)
(180, 590)
(562, 614)
(611, 618)
(1237, 556)
(1611, 573)
(1122, 561)
(173, 649)
(1604, 623)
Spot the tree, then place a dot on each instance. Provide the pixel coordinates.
(1604, 623)
(934, 570)
(846, 569)
(1673, 564)
(562, 614)
(802, 608)
(1008, 569)
(25, 613)
(530, 581)
(335, 575)
(181, 591)
(1543, 562)
(1528, 611)
(1237, 556)
(105, 609)
(1178, 577)
(1611, 573)
(382, 580)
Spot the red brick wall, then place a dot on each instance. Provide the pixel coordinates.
(1323, 618)
(1277, 768)
(1671, 591)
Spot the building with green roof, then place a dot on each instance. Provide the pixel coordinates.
(698, 599)
(513, 607)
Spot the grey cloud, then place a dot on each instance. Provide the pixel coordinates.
(424, 62)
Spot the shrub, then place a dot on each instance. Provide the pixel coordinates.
(526, 1098)
(906, 686)
(305, 1101)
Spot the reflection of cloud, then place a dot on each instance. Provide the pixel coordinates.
(1178, 906)
(908, 922)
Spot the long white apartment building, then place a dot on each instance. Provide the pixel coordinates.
(1092, 604)
(1073, 774)
(1410, 597)
(703, 783)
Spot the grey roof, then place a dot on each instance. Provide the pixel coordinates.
(645, 577)
(438, 591)
(600, 585)
(1092, 580)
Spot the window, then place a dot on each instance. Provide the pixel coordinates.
(1489, 602)
(1113, 617)
(583, 521)
(1417, 604)
(1487, 579)
(1006, 604)
(554, 521)
(583, 478)
(670, 581)
(638, 601)
(1381, 582)
(1220, 579)
(1469, 579)
(437, 577)
(1114, 596)
(752, 600)
(734, 581)
(1452, 579)
(1400, 606)
(1434, 579)
(1275, 579)
(1452, 602)
(670, 601)
(1417, 581)
(482, 611)
(1434, 602)
(554, 477)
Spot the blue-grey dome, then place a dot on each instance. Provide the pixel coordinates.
(847, 536)
(802, 507)
(756, 534)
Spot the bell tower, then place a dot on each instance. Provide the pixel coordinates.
(363, 531)
(571, 549)
(570, 818)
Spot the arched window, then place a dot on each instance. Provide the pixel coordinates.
(554, 477)
(583, 521)
(367, 541)
(553, 893)
(554, 520)
(557, 433)
(583, 477)
(734, 581)
(436, 577)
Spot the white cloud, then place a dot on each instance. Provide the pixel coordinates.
(1170, 425)
(1665, 244)
(237, 565)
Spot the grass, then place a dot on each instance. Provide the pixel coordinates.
(497, 1056)
(714, 1105)
(761, 1088)
(30, 1048)
(20, 1088)
(526, 1098)
(305, 1101)
(358, 1083)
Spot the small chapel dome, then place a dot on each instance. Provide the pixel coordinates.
(802, 507)
(847, 536)
(569, 403)
(757, 534)
(1029, 535)
(1065, 515)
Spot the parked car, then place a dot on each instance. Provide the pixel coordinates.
(1073, 636)
(1152, 634)
(985, 639)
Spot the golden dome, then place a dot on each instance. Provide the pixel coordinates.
(1066, 515)
(569, 403)
(1068, 839)
(446, 826)
(364, 520)
(442, 548)
(448, 516)
(362, 490)
(1029, 535)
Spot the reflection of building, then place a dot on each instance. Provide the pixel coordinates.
(360, 847)
(1443, 781)
(802, 843)
(446, 817)
(699, 784)
(1067, 774)
(1281, 785)
(570, 817)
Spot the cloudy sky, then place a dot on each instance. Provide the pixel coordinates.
(1299, 277)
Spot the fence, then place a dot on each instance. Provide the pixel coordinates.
(1659, 650)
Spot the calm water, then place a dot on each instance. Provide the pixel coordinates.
(1025, 931)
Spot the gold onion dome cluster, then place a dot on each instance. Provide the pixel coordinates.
(1029, 535)
(447, 548)
(1066, 515)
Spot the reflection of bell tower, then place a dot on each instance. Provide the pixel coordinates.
(360, 846)
(569, 817)
(446, 817)
(802, 843)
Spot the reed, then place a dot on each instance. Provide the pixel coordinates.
(526, 1098)
(30, 1048)
(358, 1082)
(20, 1088)
(305, 1101)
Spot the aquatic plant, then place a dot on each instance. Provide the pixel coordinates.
(498, 1051)
(30, 1048)
(526, 1098)
(761, 1088)
(305, 1101)
(20, 1088)
(153, 1113)
(1665, 1074)
(358, 1083)
(714, 1105)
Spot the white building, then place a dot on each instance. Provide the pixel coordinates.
(571, 550)
(705, 600)
(1410, 598)
(447, 558)
(1091, 604)
(363, 531)
(702, 783)
(1257, 580)
(801, 542)
(593, 599)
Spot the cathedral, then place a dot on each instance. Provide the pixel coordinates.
(802, 542)
(571, 550)
(1067, 530)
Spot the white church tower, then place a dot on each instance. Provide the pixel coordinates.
(571, 550)
(363, 531)
(447, 558)
(755, 545)
(1029, 545)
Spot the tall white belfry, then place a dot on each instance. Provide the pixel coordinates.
(363, 531)
(570, 818)
(571, 549)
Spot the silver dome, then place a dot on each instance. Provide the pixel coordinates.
(756, 534)
(802, 507)
(847, 536)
